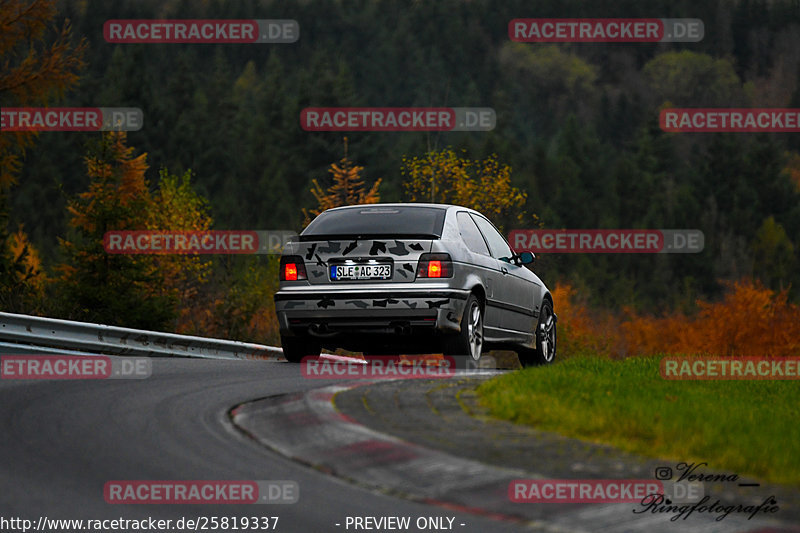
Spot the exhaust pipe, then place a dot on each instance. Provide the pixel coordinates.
(321, 330)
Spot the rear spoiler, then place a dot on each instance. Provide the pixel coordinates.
(366, 237)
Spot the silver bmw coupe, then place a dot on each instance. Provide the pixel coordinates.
(411, 278)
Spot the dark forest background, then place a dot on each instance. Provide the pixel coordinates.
(577, 123)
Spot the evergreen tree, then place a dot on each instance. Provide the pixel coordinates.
(94, 285)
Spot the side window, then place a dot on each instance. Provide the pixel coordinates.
(469, 232)
(497, 244)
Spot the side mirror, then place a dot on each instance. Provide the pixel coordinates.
(526, 258)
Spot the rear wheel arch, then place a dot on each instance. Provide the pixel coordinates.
(548, 297)
(480, 294)
(469, 340)
(541, 355)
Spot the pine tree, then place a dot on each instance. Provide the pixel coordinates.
(347, 188)
(22, 278)
(146, 291)
(99, 287)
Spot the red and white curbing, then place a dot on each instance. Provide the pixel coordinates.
(309, 429)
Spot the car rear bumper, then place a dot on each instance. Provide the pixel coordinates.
(329, 314)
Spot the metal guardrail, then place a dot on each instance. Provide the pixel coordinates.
(51, 333)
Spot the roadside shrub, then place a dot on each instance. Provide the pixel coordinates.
(751, 320)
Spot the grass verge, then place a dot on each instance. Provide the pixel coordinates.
(744, 427)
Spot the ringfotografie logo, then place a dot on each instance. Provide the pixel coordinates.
(692, 474)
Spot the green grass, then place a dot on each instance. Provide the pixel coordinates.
(745, 427)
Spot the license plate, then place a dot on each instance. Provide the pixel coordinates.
(350, 272)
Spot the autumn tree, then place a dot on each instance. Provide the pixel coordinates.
(176, 206)
(22, 278)
(347, 188)
(444, 177)
(35, 69)
(132, 290)
(97, 286)
(238, 301)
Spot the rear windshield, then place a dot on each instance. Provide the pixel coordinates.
(366, 222)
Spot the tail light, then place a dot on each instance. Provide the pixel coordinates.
(292, 268)
(435, 266)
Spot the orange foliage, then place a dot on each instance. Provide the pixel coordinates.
(237, 304)
(23, 252)
(117, 178)
(347, 188)
(646, 335)
(22, 279)
(751, 320)
(580, 328)
(217, 318)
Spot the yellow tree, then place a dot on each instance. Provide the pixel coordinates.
(444, 177)
(347, 188)
(177, 207)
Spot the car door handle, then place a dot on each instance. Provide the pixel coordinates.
(504, 270)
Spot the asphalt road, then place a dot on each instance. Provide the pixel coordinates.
(61, 441)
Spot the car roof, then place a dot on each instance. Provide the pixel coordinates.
(405, 204)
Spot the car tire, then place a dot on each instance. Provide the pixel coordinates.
(294, 348)
(546, 339)
(470, 340)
